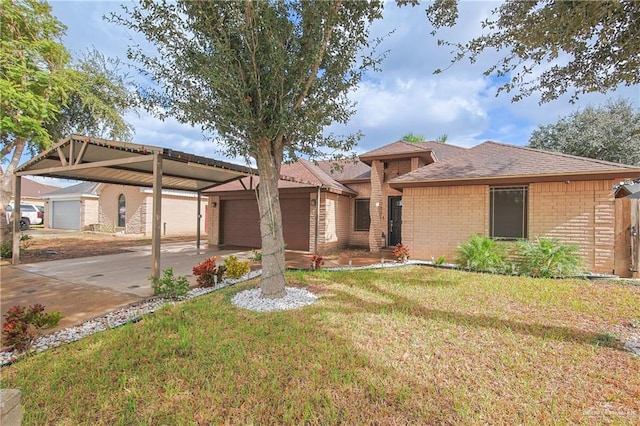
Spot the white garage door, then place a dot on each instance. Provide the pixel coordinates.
(66, 215)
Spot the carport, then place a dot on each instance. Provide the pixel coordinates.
(100, 160)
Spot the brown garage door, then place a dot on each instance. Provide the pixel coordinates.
(240, 223)
(241, 227)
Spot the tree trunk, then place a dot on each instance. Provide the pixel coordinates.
(272, 282)
(6, 188)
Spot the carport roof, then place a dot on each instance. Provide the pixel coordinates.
(101, 160)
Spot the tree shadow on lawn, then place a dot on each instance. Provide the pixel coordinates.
(410, 307)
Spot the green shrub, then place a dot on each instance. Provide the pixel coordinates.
(23, 324)
(257, 256)
(482, 254)
(440, 261)
(548, 258)
(170, 287)
(235, 268)
(6, 249)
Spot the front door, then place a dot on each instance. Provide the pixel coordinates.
(395, 220)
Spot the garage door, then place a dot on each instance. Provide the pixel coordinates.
(241, 226)
(240, 223)
(65, 215)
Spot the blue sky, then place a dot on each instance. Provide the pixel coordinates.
(405, 97)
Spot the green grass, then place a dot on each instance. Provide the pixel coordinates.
(396, 346)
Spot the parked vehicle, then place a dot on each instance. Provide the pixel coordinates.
(31, 215)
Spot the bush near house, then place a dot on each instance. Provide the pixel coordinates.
(544, 257)
(23, 325)
(548, 258)
(235, 268)
(401, 252)
(169, 286)
(207, 272)
(482, 254)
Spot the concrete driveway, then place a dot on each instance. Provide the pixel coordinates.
(85, 288)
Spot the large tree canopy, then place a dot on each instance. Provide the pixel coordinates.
(44, 95)
(553, 47)
(265, 77)
(608, 132)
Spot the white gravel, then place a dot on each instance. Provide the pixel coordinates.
(295, 298)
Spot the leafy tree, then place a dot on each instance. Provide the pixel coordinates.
(608, 132)
(265, 77)
(44, 95)
(99, 99)
(555, 46)
(33, 77)
(413, 138)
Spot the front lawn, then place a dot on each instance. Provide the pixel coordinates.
(411, 345)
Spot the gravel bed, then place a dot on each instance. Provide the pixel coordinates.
(295, 298)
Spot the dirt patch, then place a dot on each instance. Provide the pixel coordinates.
(43, 248)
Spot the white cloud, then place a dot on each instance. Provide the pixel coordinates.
(405, 97)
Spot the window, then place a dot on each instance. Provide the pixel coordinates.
(362, 219)
(508, 212)
(122, 211)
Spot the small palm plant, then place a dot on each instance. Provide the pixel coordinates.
(548, 258)
(482, 254)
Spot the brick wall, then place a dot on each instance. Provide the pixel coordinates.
(436, 219)
(581, 213)
(334, 223)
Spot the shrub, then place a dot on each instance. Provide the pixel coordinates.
(548, 258)
(6, 249)
(23, 324)
(482, 254)
(257, 256)
(317, 261)
(235, 268)
(401, 253)
(170, 287)
(441, 260)
(208, 272)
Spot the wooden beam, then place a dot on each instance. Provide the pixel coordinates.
(83, 148)
(17, 215)
(199, 218)
(63, 158)
(83, 166)
(157, 216)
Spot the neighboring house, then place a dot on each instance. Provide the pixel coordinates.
(32, 191)
(432, 196)
(120, 208)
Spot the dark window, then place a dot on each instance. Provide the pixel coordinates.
(508, 212)
(122, 211)
(362, 219)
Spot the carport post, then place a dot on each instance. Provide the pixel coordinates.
(157, 215)
(17, 215)
(199, 218)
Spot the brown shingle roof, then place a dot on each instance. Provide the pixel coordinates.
(346, 170)
(403, 149)
(492, 160)
(31, 188)
(301, 174)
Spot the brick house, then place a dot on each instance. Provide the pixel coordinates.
(432, 196)
(119, 208)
